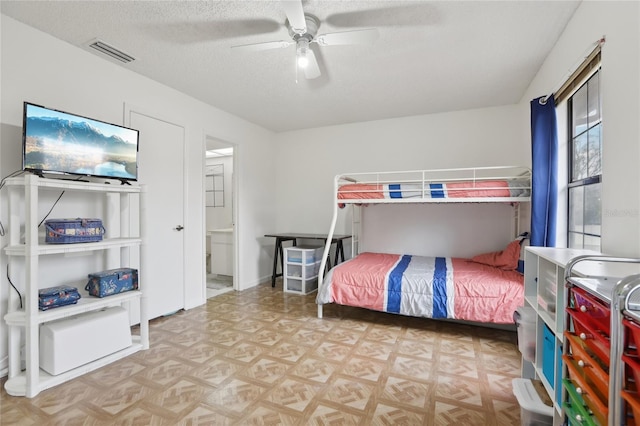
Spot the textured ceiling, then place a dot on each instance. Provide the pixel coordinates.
(430, 57)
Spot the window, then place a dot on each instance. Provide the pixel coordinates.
(215, 186)
(585, 166)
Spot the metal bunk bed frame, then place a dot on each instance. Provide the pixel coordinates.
(422, 179)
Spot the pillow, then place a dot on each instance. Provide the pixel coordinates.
(506, 259)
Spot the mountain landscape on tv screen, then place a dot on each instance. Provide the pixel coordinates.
(54, 144)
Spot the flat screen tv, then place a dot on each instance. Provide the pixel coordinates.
(62, 143)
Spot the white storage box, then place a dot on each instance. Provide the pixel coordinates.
(533, 412)
(525, 318)
(71, 342)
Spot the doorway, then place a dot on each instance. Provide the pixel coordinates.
(220, 157)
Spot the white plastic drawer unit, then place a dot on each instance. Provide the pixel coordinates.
(301, 268)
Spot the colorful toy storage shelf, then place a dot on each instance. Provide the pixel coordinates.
(580, 339)
(587, 358)
(600, 352)
(625, 346)
(544, 280)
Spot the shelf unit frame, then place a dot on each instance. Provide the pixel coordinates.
(32, 380)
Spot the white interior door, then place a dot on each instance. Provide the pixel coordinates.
(161, 170)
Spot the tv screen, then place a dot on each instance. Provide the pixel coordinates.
(59, 142)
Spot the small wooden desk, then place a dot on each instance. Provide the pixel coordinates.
(293, 237)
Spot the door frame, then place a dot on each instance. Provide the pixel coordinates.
(155, 114)
(235, 189)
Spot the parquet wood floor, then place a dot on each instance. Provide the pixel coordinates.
(262, 357)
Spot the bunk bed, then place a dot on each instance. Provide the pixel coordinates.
(486, 288)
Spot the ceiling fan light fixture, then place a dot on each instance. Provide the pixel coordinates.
(303, 30)
(303, 61)
(302, 48)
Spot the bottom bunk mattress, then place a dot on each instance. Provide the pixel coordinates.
(432, 287)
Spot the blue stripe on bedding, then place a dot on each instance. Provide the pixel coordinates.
(394, 190)
(437, 190)
(394, 288)
(440, 288)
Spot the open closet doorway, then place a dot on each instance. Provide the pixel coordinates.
(219, 201)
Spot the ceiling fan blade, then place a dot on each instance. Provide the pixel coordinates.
(206, 31)
(367, 36)
(312, 70)
(256, 47)
(406, 14)
(295, 15)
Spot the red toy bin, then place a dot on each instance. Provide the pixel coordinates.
(593, 398)
(592, 338)
(631, 336)
(599, 313)
(632, 404)
(631, 372)
(598, 375)
(581, 375)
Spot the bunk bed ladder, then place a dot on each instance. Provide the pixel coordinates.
(327, 245)
(517, 219)
(356, 229)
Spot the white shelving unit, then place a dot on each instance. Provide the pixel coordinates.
(26, 253)
(545, 292)
(301, 268)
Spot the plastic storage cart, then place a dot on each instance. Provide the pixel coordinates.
(301, 269)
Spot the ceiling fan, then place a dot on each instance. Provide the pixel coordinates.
(303, 29)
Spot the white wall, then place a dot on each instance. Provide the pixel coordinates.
(470, 229)
(619, 22)
(307, 160)
(39, 68)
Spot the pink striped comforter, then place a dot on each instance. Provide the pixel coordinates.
(433, 287)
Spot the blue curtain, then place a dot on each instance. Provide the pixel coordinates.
(544, 159)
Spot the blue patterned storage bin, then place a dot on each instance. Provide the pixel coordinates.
(112, 281)
(54, 297)
(79, 230)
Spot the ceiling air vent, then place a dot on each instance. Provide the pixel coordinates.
(110, 51)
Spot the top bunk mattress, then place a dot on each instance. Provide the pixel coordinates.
(490, 184)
